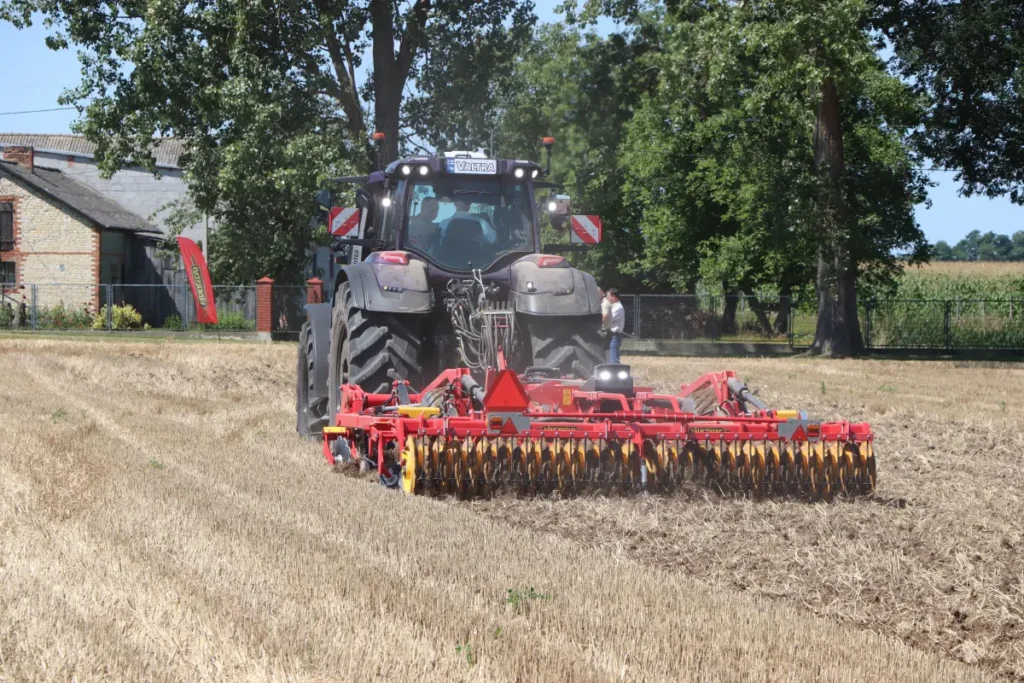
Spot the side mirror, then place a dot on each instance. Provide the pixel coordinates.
(558, 207)
(325, 200)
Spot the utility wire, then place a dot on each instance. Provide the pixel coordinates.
(36, 111)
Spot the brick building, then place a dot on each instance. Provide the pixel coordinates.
(64, 236)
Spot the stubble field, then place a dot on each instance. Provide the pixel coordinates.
(159, 520)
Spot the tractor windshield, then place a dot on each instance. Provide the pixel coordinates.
(462, 224)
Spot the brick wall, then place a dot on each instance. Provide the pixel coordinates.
(52, 249)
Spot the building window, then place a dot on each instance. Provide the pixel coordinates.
(8, 275)
(6, 226)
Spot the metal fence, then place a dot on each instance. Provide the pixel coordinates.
(165, 307)
(885, 324)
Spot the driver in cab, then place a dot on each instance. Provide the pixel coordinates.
(424, 233)
(462, 213)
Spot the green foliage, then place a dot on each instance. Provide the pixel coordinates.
(926, 284)
(721, 155)
(466, 650)
(229, 320)
(59, 415)
(61, 317)
(982, 247)
(266, 98)
(123, 317)
(172, 322)
(156, 464)
(965, 57)
(6, 315)
(520, 598)
(581, 89)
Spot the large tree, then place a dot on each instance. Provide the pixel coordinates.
(774, 151)
(966, 56)
(581, 88)
(269, 98)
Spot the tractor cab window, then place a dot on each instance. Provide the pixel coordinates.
(462, 224)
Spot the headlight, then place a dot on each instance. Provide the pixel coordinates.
(519, 173)
(623, 374)
(386, 202)
(552, 207)
(604, 375)
(536, 172)
(424, 170)
(406, 169)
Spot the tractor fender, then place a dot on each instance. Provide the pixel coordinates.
(319, 317)
(388, 287)
(556, 290)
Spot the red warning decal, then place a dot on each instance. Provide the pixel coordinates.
(506, 394)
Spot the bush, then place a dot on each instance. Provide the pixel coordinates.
(60, 317)
(229, 320)
(123, 317)
(172, 322)
(6, 316)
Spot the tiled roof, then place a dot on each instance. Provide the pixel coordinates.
(167, 152)
(83, 199)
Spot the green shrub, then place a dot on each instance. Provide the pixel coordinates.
(60, 317)
(123, 317)
(229, 320)
(6, 316)
(172, 322)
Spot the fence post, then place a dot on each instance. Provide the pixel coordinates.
(264, 307)
(35, 314)
(636, 316)
(946, 324)
(868, 310)
(110, 308)
(185, 307)
(789, 321)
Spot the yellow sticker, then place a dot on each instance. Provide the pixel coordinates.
(566, 397)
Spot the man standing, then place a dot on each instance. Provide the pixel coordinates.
(616, 325)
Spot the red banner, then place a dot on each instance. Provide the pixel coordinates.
(199, 279)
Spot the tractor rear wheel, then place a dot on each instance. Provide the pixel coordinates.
(370, 349)
(573, 344)
(310, 418)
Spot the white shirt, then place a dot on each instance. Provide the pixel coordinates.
(606, 310)
(618, 318)
(489, 235)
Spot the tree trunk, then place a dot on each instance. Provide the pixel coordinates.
(838, 330)
(728, 324)
(785, 310)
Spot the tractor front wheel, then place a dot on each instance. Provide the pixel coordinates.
(310, 416)
(370, 349)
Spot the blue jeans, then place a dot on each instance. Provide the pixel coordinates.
(613, 348)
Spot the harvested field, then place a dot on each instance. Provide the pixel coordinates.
(159, 520)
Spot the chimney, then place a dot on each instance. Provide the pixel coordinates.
(23, 156)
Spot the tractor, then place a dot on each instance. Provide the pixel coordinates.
(443, 268)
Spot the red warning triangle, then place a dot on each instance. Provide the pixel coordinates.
(506, 394)
(798, 434)
(509, 429)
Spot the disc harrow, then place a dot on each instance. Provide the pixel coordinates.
(536, 435)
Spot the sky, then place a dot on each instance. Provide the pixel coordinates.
(35, 76)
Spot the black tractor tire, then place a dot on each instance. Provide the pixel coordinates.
(310, 419)
(370, 349)
(572, 344)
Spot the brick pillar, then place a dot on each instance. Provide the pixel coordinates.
(314, 291)
(265, 305)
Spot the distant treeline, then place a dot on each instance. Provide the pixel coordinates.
(982, 247)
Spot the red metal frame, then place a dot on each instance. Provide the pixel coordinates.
(560, 409)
